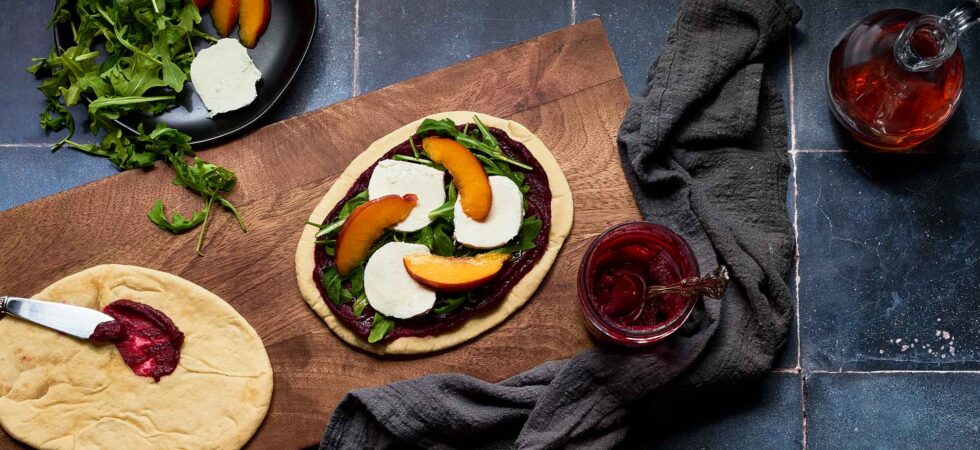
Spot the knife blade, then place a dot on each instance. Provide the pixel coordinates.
(69, 319)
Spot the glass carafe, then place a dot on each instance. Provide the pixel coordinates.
(895, 78)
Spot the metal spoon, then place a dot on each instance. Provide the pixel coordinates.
(712, 286)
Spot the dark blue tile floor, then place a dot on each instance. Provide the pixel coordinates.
(893, 410)
(399, 40)
(888, 257)
(887, 354)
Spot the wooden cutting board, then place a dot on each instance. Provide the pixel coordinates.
(564, 86)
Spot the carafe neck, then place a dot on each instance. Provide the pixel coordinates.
(929, 41)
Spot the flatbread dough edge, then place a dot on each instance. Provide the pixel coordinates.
(561, 224)
(217, 398)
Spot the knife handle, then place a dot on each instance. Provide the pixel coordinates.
(3, 306)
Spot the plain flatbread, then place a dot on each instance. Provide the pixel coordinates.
(59, 392)
(561, 224)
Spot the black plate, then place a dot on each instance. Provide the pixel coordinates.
(278, 55)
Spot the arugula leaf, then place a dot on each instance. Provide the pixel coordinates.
(487, 144)
(352, 204)
(380, 327)
(418, 160)
(530, 228)
(357, 281)
(425, 237)
(411, 143)
(179, 224)
(442, 244)
(131, 56)
(445, 211)
(209, 181)
(359, 304)
(335, 226)
(333, 284)
(450, 304)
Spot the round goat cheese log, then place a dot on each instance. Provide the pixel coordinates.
(224, 76)
(393, 177)
(500, 226)
(390, 290)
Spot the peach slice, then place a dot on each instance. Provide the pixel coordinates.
(450, 274)
(224, 14)
(201, 4)
(365, 225)
(468, 174)
(252, 21)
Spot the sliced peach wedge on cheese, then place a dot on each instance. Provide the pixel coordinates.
(224, 15)
(365, 225)
(468, 175)
(454, 274)
(253, 20)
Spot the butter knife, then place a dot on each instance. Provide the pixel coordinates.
(68, 319)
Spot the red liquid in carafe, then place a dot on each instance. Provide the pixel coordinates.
(881, 103)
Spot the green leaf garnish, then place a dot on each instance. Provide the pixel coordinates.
(448, 305)
(333, 284)
(530, 228)
(352, 204)
(445, 211)
(178, 224)
(380, 327)
(357, 281)
(359, 304)
(130, 57)
(486, 144)
(442, 244)
(335, 226)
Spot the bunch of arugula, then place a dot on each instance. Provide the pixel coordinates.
(437, 235)
(131, 56)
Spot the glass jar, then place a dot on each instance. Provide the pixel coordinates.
(616, 271)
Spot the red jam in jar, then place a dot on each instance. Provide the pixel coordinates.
(619, 267)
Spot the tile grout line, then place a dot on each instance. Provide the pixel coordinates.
(29, 144)
(796, 236)
(796, 195)
(819, 150)
(796, 259)
(573, 12)
(803, 406)
(792, 93)
(355, 82)
(893, 372)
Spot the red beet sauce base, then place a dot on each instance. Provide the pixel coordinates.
(489, 295)
(147, 339)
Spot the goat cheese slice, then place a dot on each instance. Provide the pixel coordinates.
(500, 226)
(224, 76)
(400, 178)
(390, 290)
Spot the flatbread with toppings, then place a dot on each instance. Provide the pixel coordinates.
(58, 392)
(436, 233)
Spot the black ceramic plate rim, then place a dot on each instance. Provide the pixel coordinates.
(248, 123)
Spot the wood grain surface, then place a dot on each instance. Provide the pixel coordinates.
(564, 86)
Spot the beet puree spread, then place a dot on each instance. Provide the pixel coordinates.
(431, 323)
(147, 339)
(616, 272)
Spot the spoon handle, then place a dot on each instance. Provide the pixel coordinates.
(711, 286)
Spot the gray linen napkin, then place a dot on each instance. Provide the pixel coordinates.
(704, 149)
